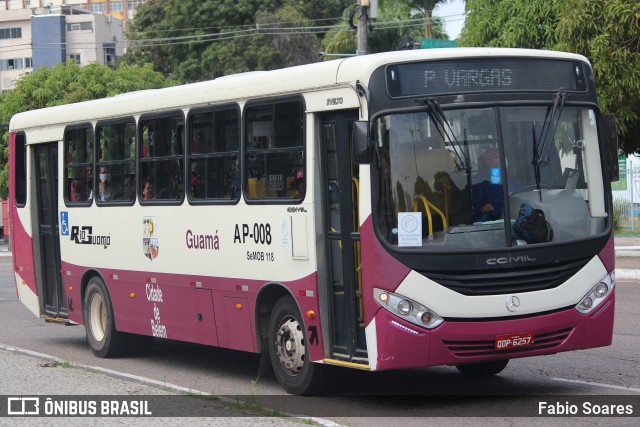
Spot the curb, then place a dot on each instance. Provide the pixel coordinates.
(627, 274)
(627, 253)
(159, 384)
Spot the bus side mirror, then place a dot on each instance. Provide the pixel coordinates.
(611, 140)
(362, 146)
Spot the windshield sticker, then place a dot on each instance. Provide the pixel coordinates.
(285, 239)
(409, 229)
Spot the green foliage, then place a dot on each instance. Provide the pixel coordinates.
(605, 31)
(510, 23)
(620, 206)
(266, 49)
(343, 40)
(66, 83)
(194, 40)
(433, 27)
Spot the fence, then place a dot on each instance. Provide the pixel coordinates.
(626, 201)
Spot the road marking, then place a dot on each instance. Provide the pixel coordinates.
(617, 387)
(151, 382)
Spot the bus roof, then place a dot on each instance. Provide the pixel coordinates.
(253, 85)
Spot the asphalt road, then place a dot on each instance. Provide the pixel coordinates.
(608, 375)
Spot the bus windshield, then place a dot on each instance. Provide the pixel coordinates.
(454, 178)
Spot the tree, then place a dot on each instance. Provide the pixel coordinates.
(275, 44)
(605, 31)
(194, 40)
(425, 8)
(66, 83)
(510, 23)
(386, 31)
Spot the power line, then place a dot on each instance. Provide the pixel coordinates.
(240, 32)
(255, 31)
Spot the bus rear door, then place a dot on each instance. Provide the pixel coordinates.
(47, 244)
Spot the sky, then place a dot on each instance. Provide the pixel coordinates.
(452, 12)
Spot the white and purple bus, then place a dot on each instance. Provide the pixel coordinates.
(388, 211)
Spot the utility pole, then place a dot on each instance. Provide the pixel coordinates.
(363, 44)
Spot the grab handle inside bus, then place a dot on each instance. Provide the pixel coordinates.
(362, 144)
(611, 139)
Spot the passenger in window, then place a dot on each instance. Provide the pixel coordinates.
(129, 188)
(81, 188)
(89, 176)
(148, 191)
(170, 183)
(233, 190)
(299, 185)
(196, 182)
(104, 186)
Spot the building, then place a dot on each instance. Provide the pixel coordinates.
(118, 9)
(45, 36)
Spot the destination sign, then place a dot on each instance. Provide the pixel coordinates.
(482, 75)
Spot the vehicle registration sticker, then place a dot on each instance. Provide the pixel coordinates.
(511, 341)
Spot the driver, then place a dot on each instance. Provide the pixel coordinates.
(487, 196)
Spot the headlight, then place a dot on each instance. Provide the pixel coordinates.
(407, 309)
(597, 294)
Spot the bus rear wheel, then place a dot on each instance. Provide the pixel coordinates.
(288, 350)
(99, 321)
(483, 369)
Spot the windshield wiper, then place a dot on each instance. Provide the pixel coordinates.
(542, 146)
(448, 136)
(536, 161)
(551, 120)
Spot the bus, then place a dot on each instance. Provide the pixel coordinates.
(387, 211)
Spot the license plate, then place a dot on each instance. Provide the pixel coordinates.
(511, 341)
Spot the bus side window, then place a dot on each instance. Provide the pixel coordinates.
(274, 159)
(79, 164)
(117, 144)
(161, 159)
(213, 155)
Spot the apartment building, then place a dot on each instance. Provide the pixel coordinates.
(118, 9)
(43, 36)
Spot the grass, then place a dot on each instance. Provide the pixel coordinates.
(57, 364)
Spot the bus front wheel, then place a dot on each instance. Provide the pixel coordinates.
(483, 369)
(288, 349)
(99, 322)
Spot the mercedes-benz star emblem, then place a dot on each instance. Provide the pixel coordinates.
(513, 304)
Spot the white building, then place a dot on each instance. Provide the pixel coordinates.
(15, 46)
(119, 9)
(45, 36)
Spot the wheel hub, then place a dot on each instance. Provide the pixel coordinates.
(98, 317)
(290, 345)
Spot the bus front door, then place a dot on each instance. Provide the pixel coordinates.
(47, 247)
(342, 237)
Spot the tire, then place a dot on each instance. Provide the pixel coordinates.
(483, 369)
(99, 322)
(288, 350)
